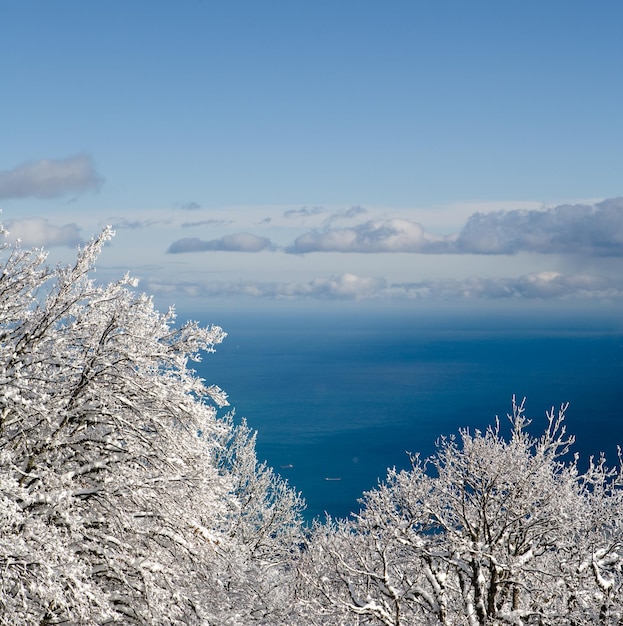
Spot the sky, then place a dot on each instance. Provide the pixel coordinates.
(253, 154)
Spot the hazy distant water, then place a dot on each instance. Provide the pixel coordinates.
(343, 397)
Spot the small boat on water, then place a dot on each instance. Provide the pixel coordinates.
(288, 466)
(338, 478)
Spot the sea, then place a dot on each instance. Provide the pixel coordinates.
(338, 397)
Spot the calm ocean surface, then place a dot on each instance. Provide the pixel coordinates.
(344, 397)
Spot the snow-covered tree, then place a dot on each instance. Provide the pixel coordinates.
(592, 565)
(115, 503)
(486, 531)
(266, 523)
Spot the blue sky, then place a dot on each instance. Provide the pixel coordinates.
(257, 153)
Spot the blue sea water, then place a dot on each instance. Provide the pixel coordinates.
(344, 396)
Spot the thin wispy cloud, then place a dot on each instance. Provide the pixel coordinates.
(238, 242)
(39, 232)
(122, 223)
(208, 222)
(303, 212)
(190, 206)
(49, 178)
(347, 214)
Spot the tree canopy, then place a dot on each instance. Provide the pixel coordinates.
(117, 504)
(486, 531)
(126, 496)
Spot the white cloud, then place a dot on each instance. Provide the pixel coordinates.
(49, 178)
(391, 235)
(347, 286)
(569, 229)
(566, 229)
(39, 232)
(238, 242)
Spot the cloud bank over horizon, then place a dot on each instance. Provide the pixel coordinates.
(566, 252)
(542, 286)
(586, 232)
